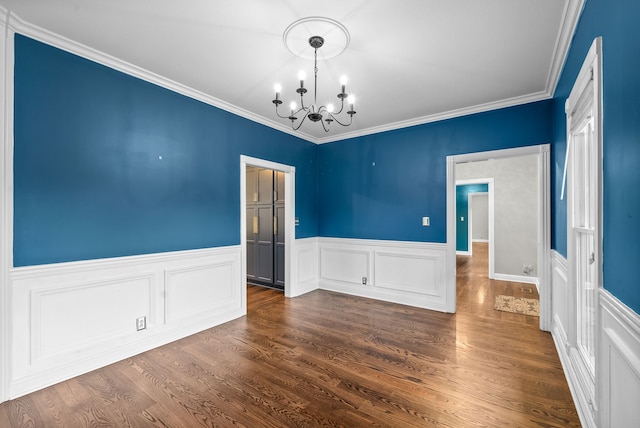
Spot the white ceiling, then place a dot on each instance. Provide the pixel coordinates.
(408, 62)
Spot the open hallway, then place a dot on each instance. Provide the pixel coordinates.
(328, 359)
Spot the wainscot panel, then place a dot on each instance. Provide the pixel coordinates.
(306, 266)
(70, 318)
(619, 365)
(409, 273)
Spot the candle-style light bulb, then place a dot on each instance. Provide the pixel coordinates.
(293, 106)
(351, 100)
(278, 88)
(330, 108)
(343, 82)
(302, 75)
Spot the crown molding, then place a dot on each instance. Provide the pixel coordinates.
(19, 26)
(570, 18)
(480, 108)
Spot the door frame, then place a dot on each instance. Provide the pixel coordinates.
(289, 220)
(593, 385)
(544, 221)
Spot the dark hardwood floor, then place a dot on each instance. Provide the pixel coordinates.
(327, 359)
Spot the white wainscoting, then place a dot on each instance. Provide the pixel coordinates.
(618, 368)
(617, 386)
(70, 318)
(306, 270)
(409, 273)
(562, 327)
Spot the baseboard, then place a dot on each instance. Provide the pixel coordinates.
(409, 273)
(463, 253)
(70, 318)
(480, 240)
(516, 278)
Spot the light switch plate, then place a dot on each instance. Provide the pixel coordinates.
(425, 221)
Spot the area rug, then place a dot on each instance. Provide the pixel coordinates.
(518, 305)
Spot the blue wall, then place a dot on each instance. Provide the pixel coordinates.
(462, 210)
(89, 181)
(380, 186)
(617, 23)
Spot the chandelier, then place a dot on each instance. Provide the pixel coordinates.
(314, 112)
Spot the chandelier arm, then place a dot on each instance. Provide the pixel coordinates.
(279, 115)
(340, 123)
(341, 107)
(323, 126)
(295, 128)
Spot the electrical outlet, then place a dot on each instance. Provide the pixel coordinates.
(527, 269)
(141, 323)
(364, 280)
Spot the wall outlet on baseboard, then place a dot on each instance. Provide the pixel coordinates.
(364, 280)
(141, 323)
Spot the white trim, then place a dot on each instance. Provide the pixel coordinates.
(625, 315)
(480, 240)
(290, 267)
(570, 18)
(451, 234)
(6, 197)
(544, 238)
(586, 374)
(544, 219)
(561, 310)
(490, 182)
(516, 278)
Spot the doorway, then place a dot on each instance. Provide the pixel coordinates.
(265, 199)
(289, 223)
(542, 228)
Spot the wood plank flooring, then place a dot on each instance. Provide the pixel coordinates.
(330, 360)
